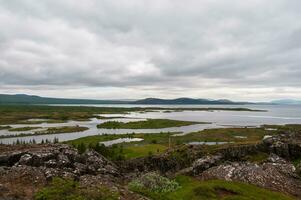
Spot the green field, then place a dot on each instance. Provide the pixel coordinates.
(209, 135)
(143, 150)
(148, 146)
(154, 143)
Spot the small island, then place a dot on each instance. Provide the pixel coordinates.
(48, 131)
(147, 124)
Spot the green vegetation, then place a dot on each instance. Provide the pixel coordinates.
(27, 128)
(15, 114)
(153, 182)
(214, 190)
(105, 117)
(121, 151)
(230, 135)
(4, 127)
(209, 135)
(52, 130)
(63, 129)
(153, 143)
(147, 124)
(287, 127)
(156, 143)
(143, 150)
(64, 189)
(296, 162)
(257, 158)
(40, 121)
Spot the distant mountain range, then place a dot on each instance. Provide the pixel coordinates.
(188, 101)
(287, 101)
(31, 99)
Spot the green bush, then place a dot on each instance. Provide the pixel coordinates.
(66, 189)
(154, 183)
(154, 141)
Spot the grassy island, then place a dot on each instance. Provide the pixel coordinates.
(27, 128)
(147, 124)
(48, 131)
(4, 127)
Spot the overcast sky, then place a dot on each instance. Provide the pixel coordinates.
(106, 49)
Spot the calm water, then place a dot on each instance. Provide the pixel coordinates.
(276, 114)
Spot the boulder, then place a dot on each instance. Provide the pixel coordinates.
(205, 163)
(278, 176)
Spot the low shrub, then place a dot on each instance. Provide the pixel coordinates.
(154, 183)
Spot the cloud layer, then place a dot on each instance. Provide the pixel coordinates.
(243, 50)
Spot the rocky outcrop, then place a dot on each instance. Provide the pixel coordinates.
(186, 157)
(202, 164)
(275, 174)
(24, 171)
(287, 145)
(60, 158)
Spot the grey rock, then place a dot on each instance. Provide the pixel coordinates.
(268, 175)
(63, 160)
(205, 163)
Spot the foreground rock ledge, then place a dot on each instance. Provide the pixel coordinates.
(24, 169)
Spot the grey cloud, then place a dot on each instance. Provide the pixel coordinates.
(170, 46)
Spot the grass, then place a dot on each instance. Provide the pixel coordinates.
(156, 143)
(4, 127)
(147, 124)
(105, 117)
(214, 190)
(286, 127)
(52, 130)
(148, 146)
(229, 135)
(143, 150)
(63, 129)
(15, 114)
(27, 128)
(257, 158)
(65, 189)
(40, 121)
(296, 162)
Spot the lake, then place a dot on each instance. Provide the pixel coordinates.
(276, 114)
